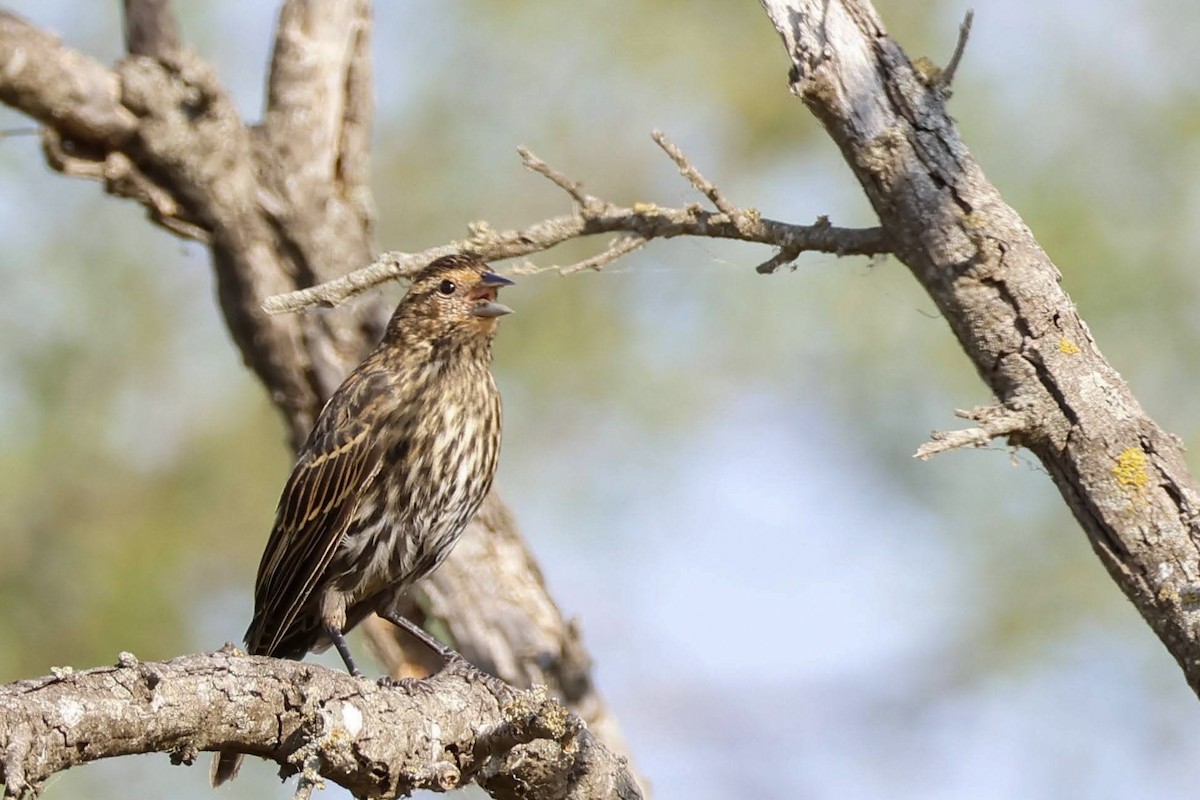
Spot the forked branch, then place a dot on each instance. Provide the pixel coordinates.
(642, 223)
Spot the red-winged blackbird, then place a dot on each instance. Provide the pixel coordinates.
(396, 464)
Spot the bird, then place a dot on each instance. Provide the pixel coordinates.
(397, 463)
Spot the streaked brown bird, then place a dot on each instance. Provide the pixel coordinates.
(397, 463)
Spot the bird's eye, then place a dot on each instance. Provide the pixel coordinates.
(447, 288)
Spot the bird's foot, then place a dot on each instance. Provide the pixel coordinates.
(410, 686)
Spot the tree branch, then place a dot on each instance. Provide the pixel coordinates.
(316, 132)
(1123, 477)
(689, 171)
(512, 628)
(151, 30)
(59, 86)
(316, 75)
(375, 740)
(644, 221)
(960, 47)
(994, 422)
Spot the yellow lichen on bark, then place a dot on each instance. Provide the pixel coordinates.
(1068, 347)
(1130, 469)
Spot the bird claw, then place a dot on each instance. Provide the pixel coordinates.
(410, 686)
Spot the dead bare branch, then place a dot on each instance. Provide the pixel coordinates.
(688, 170)
(995, 422)
(960, 47)
(643, 221)
(584, 200)
(621, 246)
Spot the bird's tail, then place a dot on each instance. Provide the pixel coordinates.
(225, 764)
(225, 767)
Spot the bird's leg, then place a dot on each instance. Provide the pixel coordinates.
(446, 653)
(339, 641)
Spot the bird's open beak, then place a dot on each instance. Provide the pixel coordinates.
(492, 279)
(491, 309)
(489, 284)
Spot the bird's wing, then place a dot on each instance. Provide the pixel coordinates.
(340, 457)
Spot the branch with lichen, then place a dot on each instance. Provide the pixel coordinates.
(1126, 480)
(639, 224)
(376, 739)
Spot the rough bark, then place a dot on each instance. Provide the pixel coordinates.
(379, 741)
(1122, 476)
(281, 205)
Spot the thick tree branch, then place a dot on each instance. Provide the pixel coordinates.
(315, 133)
(59, 86)
(1123, 477)
(379, 741)
(150, 29)
(309, 88)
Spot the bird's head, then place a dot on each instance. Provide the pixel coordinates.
(452, 298)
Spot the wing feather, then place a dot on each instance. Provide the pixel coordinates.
(342, 454)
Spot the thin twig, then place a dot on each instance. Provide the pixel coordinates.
(310, 778)
(689, 171)
(785, 255)
(621, 247)
(573, 188)
(964, 33)
(995, 421)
